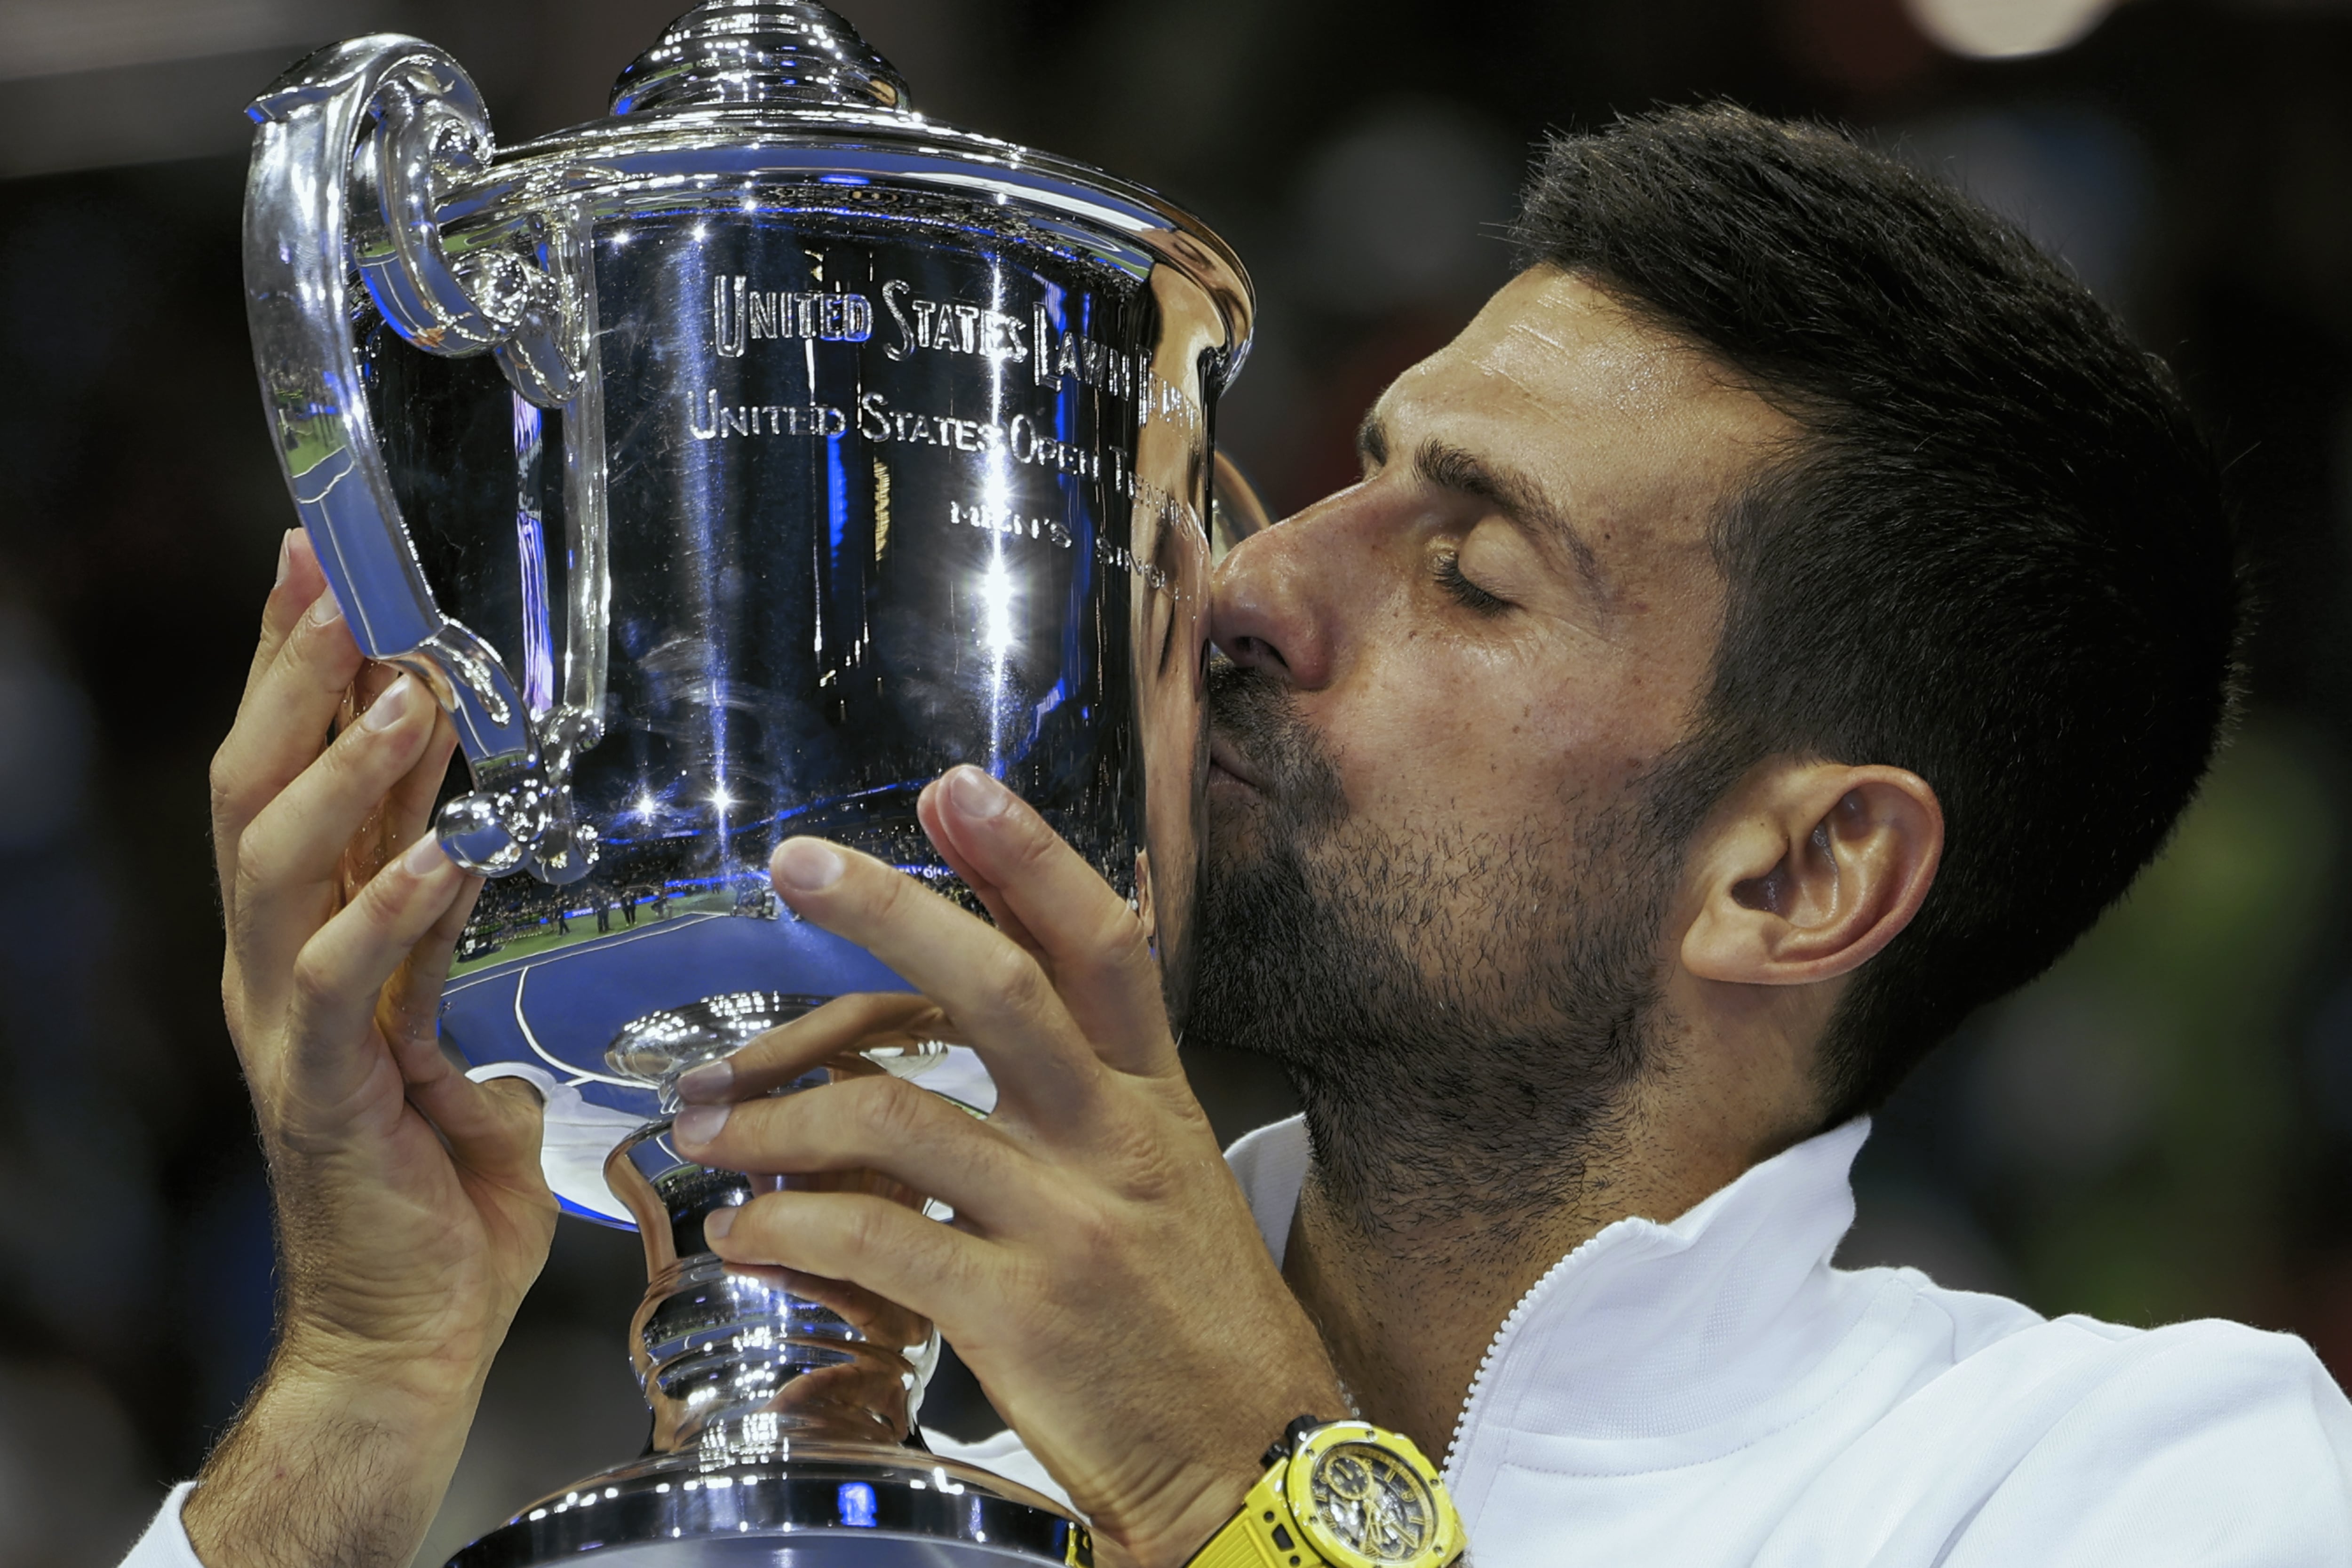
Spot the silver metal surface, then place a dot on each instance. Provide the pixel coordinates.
(1234, 511)
(387, 119)
(775, 51)
(732, 1363)
(662, 1046)
(780, 1423)
(807, 1505)
(878, 446)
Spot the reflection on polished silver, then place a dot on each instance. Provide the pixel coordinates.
(662, 1046)
(832, 1509)
(773, 1414)
(780, 51)
(665, 1045)
(303, 232)
(730, 467)
(726, 1358)
(1234, 511)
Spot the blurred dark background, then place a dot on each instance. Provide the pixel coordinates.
(2160, 1129)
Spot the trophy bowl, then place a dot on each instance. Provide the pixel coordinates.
(729, 468)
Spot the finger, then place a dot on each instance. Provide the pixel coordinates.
(863, 1020)
(872, 1242)
(493, 1129)
(927, 811)
(407, 807)
(372, 847)
(999, 995)
(280, 726)
(1088, 939)
(852, 1394)
(408, 1008)
(478, 1121)
(289, 858)
(881, 1124)
(336, 977)
(884, 1322)
(300, 582)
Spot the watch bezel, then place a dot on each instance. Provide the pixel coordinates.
(1297, 1490)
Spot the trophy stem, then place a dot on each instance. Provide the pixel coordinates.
(733, 1362)
(778, 1417)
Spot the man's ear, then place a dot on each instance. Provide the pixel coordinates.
(1810, 870)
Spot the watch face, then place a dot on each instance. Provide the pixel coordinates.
(1370, 1501)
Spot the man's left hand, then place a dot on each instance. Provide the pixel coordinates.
(1103, 1277)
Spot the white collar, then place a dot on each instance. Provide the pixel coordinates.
(1648, 1330)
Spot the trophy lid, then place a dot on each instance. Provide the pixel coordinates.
(741, 92)
(792, 53)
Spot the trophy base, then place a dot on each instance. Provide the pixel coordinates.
(811, 1505)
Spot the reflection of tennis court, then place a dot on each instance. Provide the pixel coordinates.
(559, 1010)
(556, 1009)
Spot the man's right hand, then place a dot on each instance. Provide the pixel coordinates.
(412, 1214)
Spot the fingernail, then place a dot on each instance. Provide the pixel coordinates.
(425, 856)
(698, 1124)
(324, 611)
(717, 1223)
(285, 557)
(809, 864)
(711, 1080)
(977, 795)
(392, 706)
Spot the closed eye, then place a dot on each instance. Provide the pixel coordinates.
(1448, 568)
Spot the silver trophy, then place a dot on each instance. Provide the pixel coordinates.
(729, 468)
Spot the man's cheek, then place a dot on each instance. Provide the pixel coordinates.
(1231, 831)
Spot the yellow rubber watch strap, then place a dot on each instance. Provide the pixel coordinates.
(1250, 1539)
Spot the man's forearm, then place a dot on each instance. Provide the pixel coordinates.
(330, 1469)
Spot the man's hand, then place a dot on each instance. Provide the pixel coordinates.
(1103, 1277)
(412, 1216)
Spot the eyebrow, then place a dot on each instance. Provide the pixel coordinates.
(1516, 497)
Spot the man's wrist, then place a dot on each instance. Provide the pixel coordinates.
(331, 1462)
(1223, 1482)
(1396, 1509)
(310, 1357)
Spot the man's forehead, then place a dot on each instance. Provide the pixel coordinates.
(1555, 337)
(1556, 377)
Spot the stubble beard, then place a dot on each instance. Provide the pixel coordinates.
(1463, 1016)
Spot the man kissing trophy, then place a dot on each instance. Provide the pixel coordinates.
(1780, 623)
(727, 469)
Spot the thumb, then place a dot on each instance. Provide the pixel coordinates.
(493, 1128)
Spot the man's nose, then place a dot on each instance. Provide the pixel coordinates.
(1264, 611)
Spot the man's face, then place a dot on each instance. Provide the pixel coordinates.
(1427, 873)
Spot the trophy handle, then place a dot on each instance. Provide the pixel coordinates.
(351, 146)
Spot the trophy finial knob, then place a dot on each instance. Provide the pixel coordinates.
(790, 53)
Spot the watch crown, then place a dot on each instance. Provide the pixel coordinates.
(1282, 1447)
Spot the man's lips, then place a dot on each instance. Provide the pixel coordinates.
(1225, 758)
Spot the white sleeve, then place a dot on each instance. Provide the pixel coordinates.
(165, 1544)
(2229, 1446)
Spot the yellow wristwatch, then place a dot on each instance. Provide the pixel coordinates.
(1340, 1494)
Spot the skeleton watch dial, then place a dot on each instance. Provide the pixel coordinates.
(1371, 1502)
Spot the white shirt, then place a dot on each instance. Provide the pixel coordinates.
(1712, 1392)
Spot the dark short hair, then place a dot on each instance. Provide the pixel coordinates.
(1998, 556)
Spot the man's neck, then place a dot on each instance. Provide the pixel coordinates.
(1409, 1295)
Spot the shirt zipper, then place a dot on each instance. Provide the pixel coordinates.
(1495, 1347)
